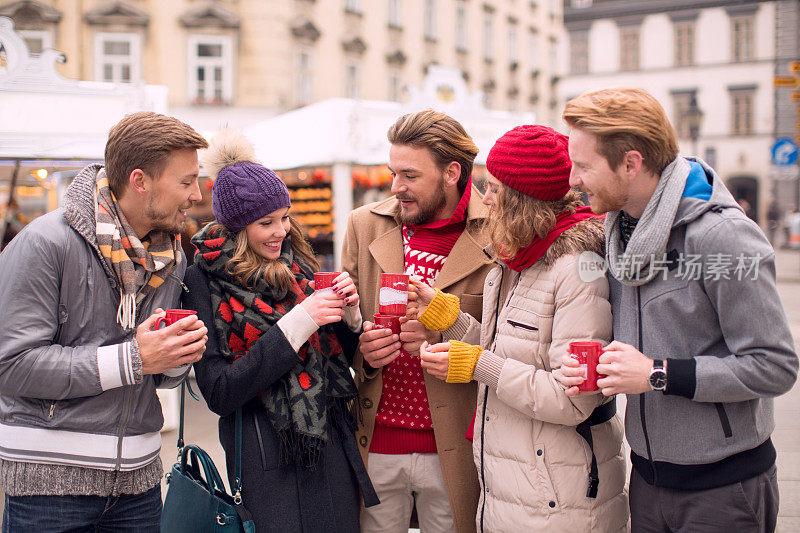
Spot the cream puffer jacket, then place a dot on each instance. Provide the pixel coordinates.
(532, 465)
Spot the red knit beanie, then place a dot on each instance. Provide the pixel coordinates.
(533, 160)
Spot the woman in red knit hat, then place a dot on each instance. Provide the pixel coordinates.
(546, 461)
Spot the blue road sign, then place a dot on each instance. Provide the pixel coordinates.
(784, 152)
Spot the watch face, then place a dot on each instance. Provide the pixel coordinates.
(658, 380)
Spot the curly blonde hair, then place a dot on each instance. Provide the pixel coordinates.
(517, 218)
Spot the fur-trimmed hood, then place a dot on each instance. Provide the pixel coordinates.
(585, 236)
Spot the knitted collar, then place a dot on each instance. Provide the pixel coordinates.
(82, 202)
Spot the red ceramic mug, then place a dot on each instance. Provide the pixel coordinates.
(391, 322)
(393, 296)
(172, 316)
(324, 280)
(587, 353)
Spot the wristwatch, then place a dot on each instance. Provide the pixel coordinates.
(658, 376)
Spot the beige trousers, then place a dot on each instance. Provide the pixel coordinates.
(400, 481)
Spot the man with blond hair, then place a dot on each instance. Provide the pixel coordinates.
(702, 341)
(81, 289)
(413, 432)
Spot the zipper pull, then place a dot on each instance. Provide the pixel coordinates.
(52, 409)
(184, 288)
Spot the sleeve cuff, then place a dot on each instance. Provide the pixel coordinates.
(441, 312)
(461, 362)
(681, 377)
(297, 326)
(488, 369)
(136, 361)
(115, 365)
(459, 328)
(352, 317)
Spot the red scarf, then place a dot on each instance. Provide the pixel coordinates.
(528, 255)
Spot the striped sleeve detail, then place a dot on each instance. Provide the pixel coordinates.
(114, 365)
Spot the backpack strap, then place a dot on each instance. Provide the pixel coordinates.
(600, 415)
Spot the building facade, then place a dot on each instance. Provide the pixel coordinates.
(718, 56)
(223, 59)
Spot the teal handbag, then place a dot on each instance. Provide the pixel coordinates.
(197, 501)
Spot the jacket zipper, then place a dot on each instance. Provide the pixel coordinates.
(52, 409)
(128, 394)
(260, 443)
(486, 395)
(641, 396)
(184, 288)
(523, 326)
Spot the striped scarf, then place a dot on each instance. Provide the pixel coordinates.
(140, 266)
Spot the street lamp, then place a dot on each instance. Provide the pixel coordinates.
(693, 116)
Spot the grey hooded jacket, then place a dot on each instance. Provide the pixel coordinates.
(727, 343)
(71, 388)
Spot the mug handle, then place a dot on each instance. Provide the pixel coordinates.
(601, 376)
(159, 321)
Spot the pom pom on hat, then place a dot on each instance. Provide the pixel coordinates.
(244, 191)
(534, 160)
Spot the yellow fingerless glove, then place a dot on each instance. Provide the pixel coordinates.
(461, 365)
(442, 312)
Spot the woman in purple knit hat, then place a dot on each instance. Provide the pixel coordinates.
(278, 350)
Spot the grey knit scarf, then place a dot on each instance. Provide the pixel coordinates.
(631, 265)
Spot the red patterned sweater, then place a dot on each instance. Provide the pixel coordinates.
(403, 422)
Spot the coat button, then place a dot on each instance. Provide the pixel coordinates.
(367, 403)
(363, 441)
(487, 418)
(539, 452)
(552, 504)
(491, 283)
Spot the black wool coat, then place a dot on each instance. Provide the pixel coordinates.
(280, 498)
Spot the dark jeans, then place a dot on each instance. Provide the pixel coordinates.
(83, 514)
(748, 506)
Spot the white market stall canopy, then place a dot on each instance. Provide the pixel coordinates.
(44, 115)
(342, 130)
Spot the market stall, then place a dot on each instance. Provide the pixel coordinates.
(333, 154)
(51, 126)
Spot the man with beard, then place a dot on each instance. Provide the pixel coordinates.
(81, 289)
(413, 432)
(702, 341)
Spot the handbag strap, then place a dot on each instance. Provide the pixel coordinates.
(237, 479)
(184, 385)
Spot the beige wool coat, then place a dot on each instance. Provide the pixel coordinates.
(373, 244)
(533, 466)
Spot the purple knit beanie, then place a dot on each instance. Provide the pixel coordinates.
(244, 191)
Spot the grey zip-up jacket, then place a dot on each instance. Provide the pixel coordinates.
(71, 388)
(727, 343)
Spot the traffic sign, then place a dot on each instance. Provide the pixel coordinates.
(784, 152)
(785, 81)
